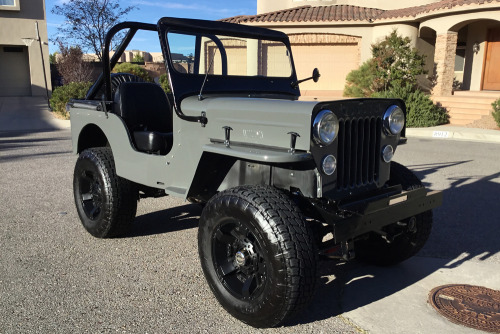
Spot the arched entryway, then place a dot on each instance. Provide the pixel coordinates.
(465, 50)
(463, 53)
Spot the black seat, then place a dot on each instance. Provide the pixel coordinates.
(147, 112)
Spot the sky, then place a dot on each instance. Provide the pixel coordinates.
(150, 11)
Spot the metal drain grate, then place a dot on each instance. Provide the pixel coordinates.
(472, 306)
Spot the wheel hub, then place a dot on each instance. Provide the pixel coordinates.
(241, 258)
(91, 195)
(241, 267)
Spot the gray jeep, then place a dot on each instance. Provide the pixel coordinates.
(282, 181)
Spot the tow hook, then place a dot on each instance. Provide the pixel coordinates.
(386, 236)
(411, 225)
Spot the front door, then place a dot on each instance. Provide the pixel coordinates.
(491, 77)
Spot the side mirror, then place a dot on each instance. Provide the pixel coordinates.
(316, 75)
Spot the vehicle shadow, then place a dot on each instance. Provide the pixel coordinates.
(466, 226)
(177, 218)
(18, 145)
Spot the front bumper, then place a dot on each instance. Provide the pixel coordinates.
(374, 213)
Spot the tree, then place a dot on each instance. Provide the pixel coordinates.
(88, 21)
(165, 84)
(53, 57)
(138, 58)
(392, 73)
(71, 65)
(360, 81)
(396, 62)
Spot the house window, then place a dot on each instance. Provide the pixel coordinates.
(460, 58)
(9, 4)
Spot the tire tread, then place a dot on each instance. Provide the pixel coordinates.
(120, 194)
(294, 238)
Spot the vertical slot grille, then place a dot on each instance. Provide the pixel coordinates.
(358, 156)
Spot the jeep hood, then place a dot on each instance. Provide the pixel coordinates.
(259, 121)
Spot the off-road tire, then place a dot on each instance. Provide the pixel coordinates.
(376, 250)
(282, 255)
(106, 203)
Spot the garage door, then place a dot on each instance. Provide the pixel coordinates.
(15, 71)
(333, 61)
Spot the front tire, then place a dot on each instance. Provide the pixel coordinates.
(106, 203)
(410, 238)
(258, 255)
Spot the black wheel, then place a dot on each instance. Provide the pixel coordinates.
(106, 203)
(410, 235)
(258, 255)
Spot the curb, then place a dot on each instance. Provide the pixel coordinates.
(60, 123)
(447, 132)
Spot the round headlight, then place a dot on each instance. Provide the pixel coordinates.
(325, 127)
(388, 153)
(329, 164)
(394, 120)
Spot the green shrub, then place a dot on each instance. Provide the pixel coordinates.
(496, 111)
(138, 58)
(394, 63)
(360, 81)
(420, 109)
(164, 83)
(397, 63)
(62, 95)
(132, 69)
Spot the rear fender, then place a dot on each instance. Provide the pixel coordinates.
(139, 167)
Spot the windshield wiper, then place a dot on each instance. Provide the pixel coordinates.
(200, 96)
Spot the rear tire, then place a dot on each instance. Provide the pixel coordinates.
(106, 203)
(376, 250)
(258, 254)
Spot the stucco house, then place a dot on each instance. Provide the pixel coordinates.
(461, 39)
(24, 53)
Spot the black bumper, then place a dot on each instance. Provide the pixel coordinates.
(372, 215)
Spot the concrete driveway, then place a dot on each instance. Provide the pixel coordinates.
(56, 278)
(28, 114)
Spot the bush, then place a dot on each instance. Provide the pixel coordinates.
(392, 73)
(360, 81)
(164, 83)
(496, 111)
(420, 109)
(62, 95)
(133, 69)
(394, 62)
(138, 58)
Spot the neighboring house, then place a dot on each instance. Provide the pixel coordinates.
(128, 56)
(24, 71)
(461, 38)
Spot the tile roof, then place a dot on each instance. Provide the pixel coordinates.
(336, 13)
(440, 5)
(312, 14)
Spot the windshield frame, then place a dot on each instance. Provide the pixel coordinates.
(184, 85)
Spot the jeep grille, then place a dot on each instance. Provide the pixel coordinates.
(358, 152)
